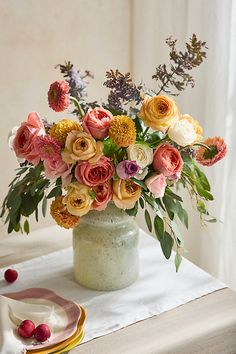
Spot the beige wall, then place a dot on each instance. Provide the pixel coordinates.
(36, 35)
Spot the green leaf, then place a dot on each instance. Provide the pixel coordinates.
(133, 211)
(139, 183)
(55, 192)
(108, 147)
(202, 192)
(10, 227)
(214, 220)
(28, 204)
(138, 125)
(167, 244)
(170, 193)
(202, 178)
(141, 202)
(26, 227)
(148, 220)
(182, 214)
(201, 207)
(178, 260)
(177, 232)
(159, 227)
(44, 206)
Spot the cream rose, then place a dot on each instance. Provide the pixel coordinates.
(159, 112)
(78, 199)
(185, 131)
(125, 193)
(81, 146)
(142, 154)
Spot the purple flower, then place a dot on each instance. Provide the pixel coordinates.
(127, 169)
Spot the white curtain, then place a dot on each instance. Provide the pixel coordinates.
(212, 102)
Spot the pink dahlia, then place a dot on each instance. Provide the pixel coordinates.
(58, 96)
(47, 147)
(208, 157)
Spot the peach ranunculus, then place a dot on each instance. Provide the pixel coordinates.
(23, 143)
(157, 184)
(125, 193)
(97, 122)
(79, 199)
(103, 196)
(159, 112)
(55, 168)
(167, 160)
(81, 146)
(93, 174)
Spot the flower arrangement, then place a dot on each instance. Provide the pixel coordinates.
(136, 150)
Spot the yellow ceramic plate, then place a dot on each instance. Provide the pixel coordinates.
(61, 346)
(72, 344)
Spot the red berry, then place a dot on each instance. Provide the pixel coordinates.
(42, 332)
(26, 329)
(10, 275)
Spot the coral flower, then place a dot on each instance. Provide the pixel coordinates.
(61, 129)
(122, 131)
(58, 96)
(47, 147)
(61, 215)
(218, 150)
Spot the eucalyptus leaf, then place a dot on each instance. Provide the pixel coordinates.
(159, 227)
(26, 227)
(55, 192)
(141, 202)
(178, 260)
(148, 220)
(44, 206)
(167, 244)
(133, 211)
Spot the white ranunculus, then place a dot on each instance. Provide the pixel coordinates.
(141, 174)
(11, 137)
(142, 154)
(182, 132)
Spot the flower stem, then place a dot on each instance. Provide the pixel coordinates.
(145, 131)
(77, 105)
(203, 145)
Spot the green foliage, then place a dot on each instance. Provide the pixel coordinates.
(25, 193)
(159, 227)
(167, 243)
(148, 220)
(178, 260)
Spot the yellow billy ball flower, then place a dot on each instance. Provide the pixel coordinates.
(62, 128)
(61, 215)
(122, 131)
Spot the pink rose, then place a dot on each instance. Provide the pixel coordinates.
(97, 122)
(156, 185)
(93, 174)
(23, 143)
(55, 168)
(103, 196)
(167, 160)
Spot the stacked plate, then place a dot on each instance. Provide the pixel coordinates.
(66, 321)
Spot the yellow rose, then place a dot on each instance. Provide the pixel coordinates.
(81, 146)
(125, 193)
(78, 199)
(159, 112)
(197, 127)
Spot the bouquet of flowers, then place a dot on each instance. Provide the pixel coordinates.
(136, 150)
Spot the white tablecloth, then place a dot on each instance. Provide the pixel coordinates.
(158, 289)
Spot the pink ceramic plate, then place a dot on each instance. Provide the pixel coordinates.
(71, 312)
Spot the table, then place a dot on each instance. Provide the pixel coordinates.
(204, 326)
